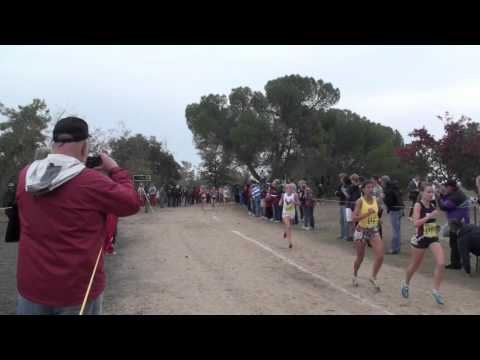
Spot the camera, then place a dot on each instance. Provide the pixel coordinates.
(93, 161)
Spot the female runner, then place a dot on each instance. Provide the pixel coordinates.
(367, 232)
(425, 215)
(289, 201)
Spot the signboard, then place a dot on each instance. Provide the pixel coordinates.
(142, 178)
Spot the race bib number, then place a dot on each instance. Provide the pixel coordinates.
(289, 206)
(430, 230)
(358, 235)
(372, 221)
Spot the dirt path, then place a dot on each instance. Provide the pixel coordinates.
(190, 261)
(194, 261)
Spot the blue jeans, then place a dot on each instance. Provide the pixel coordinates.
(26, 307)
(258, 208)
(395, 217)
(252, 205)
(277, 212)
(343, 223)
(308, 217)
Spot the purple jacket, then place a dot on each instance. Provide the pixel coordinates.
(456, 205)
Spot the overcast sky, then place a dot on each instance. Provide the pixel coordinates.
(148, 87)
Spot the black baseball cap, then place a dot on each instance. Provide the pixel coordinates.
(70, 129)
(451, 183)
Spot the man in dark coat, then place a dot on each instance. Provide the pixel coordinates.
(456, 204)
(395, 207)
(13, 227)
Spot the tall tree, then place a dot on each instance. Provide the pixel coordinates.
(293, 100)
(259, 130)
(251, 134)
(20, 135)
(291, 130)
(187, 174)
(145, 156)
(215, 167)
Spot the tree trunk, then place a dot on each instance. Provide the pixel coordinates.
(253, 171)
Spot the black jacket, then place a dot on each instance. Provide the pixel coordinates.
(468, 242)
(301, 197)
(393, 197)
(8, 198)
(354, 193)
(413, 190)
(13, 227)
(341, 196)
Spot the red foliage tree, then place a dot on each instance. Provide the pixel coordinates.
(455, 155)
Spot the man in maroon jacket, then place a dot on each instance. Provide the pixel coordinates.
(63, 208)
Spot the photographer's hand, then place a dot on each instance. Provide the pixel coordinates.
(107, 163)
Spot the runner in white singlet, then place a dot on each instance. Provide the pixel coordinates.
(289, 200)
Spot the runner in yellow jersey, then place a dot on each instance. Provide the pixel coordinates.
(425, 215)
(367, 231)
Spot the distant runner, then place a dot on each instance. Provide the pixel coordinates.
(289, 200)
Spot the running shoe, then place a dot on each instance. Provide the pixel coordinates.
(284, 235)
(405, 290)
(355, 281)
(374, 283)
(438, 298)
(290, 246)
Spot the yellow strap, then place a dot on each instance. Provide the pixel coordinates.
(91, 281)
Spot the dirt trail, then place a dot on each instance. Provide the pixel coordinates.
(221, 261)
(194, 261)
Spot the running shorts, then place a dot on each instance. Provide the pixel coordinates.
(288, 214)
(422, 242)
(365, 234)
